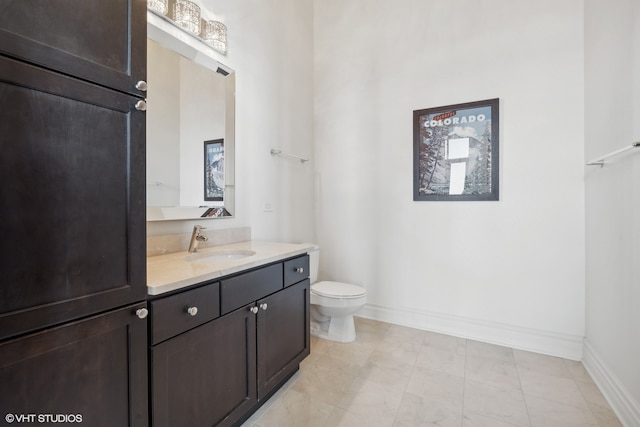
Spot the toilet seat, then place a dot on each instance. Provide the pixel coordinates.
(330, 289)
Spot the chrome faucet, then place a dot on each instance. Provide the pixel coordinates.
(196, 237)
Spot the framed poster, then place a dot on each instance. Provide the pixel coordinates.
(214, 170)
(455, 152)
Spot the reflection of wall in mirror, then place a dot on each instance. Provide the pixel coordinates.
(186, 107)
(202, 110)
(163, 127)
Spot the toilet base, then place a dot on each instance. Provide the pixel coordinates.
(339, 329)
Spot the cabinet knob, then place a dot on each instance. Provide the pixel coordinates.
(141, 105)
(299, 270)
(142, 313)
(254, 309)
(192, 310)
(141, 86)
(263, 306)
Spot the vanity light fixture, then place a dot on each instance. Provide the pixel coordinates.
(159, 6)
(215, 33)
(187, 15)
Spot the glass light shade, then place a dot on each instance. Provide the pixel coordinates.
(215, 33)
(160, 6)
(187, 15)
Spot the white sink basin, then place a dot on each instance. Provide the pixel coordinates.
(219, 256)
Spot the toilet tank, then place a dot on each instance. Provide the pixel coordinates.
(314, 262)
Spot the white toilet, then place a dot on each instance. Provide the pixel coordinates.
(333, 305)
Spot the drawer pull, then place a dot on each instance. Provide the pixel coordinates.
(263, 306)
(142, 313)
(192, 310)
(299, 270)
(254, 309)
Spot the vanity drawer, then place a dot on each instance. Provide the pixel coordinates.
(296, 270)
(173, 315)
(246, 288)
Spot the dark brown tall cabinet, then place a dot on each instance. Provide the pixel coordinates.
(72, 210)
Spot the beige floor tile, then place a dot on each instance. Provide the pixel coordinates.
(578, 371)
(400, 337)
(323, 384)
(370, 325)
(598, 404)
(436, 385)
(547, 413)
(606, 418)
(398, 376)
(370, 398)
(418, 411)
(342, 418)
(542, 364)
(384, 369)
(406, 333)
(495, 372)
(433, 340)
(357, 349)
(482, 349)
(272, 400)
(319, 346)
(562, 390)
(593, 395)
(450, 362)
(344, 358)
(471, 419)
(505, 405)
(368, 338)
(402, 354)
(295, 409)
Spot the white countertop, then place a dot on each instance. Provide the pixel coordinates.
(174, 271)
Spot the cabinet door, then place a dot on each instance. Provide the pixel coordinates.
(95, 368)
(283, 335)
(72, 201)
(96, 40)
(206, 376)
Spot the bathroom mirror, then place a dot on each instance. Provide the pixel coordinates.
(190, 129)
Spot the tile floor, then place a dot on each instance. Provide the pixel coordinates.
(402, 377)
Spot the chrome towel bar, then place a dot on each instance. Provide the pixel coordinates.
(600, 161)
(275, 152)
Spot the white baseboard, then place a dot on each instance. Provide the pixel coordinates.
(624, 405)
(550, 343)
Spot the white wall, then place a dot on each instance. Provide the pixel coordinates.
(163, 127)
(271, 50)
(612, 88)
(510, 272)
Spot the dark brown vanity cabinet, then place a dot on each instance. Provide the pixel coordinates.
(72, 210)
(283, 335)
(219, 372)
(206, 376)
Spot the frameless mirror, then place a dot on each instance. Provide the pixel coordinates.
(190, 132)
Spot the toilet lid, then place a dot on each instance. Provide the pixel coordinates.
(337, 289)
